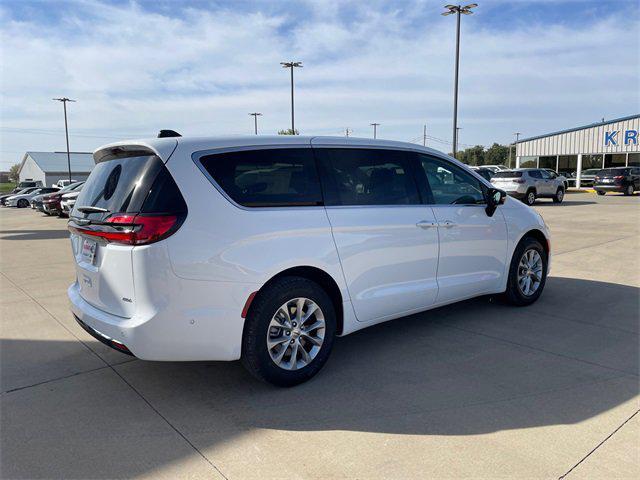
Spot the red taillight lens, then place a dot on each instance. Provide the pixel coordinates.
(519, 180)
(618, 177)
(132, 229)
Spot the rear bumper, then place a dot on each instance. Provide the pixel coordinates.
(204, 324)
(610, 188)
(109, 342)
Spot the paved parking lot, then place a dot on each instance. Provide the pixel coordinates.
(477, 389)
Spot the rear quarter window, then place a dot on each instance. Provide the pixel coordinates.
(278, 177)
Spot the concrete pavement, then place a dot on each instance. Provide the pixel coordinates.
(477, 389)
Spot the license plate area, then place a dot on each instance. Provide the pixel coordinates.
(88, 249)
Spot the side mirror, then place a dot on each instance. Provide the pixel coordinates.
(495, 197)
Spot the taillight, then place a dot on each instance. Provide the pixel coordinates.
(519, 180)
(140, 229)
(618, 177)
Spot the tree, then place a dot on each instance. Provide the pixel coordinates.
(497, 155)
(13, 173)
(288, 131)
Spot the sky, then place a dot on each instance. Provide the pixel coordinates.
(200, 68)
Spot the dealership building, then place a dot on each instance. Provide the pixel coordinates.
(49, 167)
(611, 143)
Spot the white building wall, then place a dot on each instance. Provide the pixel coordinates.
(31, 171)
(586, 141)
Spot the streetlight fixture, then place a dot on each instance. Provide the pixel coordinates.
(64, 101)
(458, 10)
(255, 116)
(375, 129)
(292, 65)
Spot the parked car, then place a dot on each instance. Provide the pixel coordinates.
(559, 176)
(3, 198)
(484, 172)
(22, 200)
(68, 201)
(228, 248)
(588, 177)
(64, 183)
(528, 184)
(495, 168)
(51, 203)
(619, 179)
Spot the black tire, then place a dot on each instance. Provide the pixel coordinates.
(530, 197)
(513, 294)
(255, 355)
(601, 192)
(628, 191)
(559, 196)
(22, 203)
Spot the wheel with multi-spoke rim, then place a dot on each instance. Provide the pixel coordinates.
(530, 198)
(629, 190)
(559, 196)
(527, 273)
(289, 331)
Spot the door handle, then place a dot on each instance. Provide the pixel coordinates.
(426, 224)
(447, 224)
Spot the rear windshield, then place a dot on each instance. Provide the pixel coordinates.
(608, 172)
(507, 174)
(129, 184)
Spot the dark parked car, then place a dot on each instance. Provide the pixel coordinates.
(486, 173)
(51, 203)
(620, 179)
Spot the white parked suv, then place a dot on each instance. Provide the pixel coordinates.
(266, 248)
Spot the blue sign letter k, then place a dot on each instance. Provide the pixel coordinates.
(610, 138)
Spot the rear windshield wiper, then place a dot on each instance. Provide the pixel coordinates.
(89, 209)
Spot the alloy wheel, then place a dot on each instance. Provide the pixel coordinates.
(296, 334)
(530, 272)
(531, 198)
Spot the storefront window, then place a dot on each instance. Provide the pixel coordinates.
(591, 161)
(548, 162)
(567, 165)
(615, 160)
(528, 162)
(634, 159)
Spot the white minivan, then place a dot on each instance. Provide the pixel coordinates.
(265, 249)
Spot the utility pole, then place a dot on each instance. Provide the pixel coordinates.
(64, 101)
(255, 116)
(424, 136)
(375, 129)
(458, 10)
(292, 65)
(517, 134)
(457, 138)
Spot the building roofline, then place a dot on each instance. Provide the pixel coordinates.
(575, 129)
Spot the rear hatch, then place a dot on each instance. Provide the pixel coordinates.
(507, 179)
(129, 200)
(610, 175)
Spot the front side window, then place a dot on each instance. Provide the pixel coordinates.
(279, 177)
(359, 176)
(450, 184)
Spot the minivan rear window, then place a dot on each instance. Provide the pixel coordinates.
(507, 174)
(119, 185)
(274, 177)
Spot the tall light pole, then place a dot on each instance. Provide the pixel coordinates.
(292, 65)
(457, 138)
(255, 116)
(515, 145)
(458, 10)
(64, 101)
(375, 129)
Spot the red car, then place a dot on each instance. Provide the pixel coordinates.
(51, 203)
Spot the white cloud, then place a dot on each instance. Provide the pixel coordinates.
(134, 71)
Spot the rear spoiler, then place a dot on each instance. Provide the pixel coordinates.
(163, 148)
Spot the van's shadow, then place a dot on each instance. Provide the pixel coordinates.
(469, 369)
